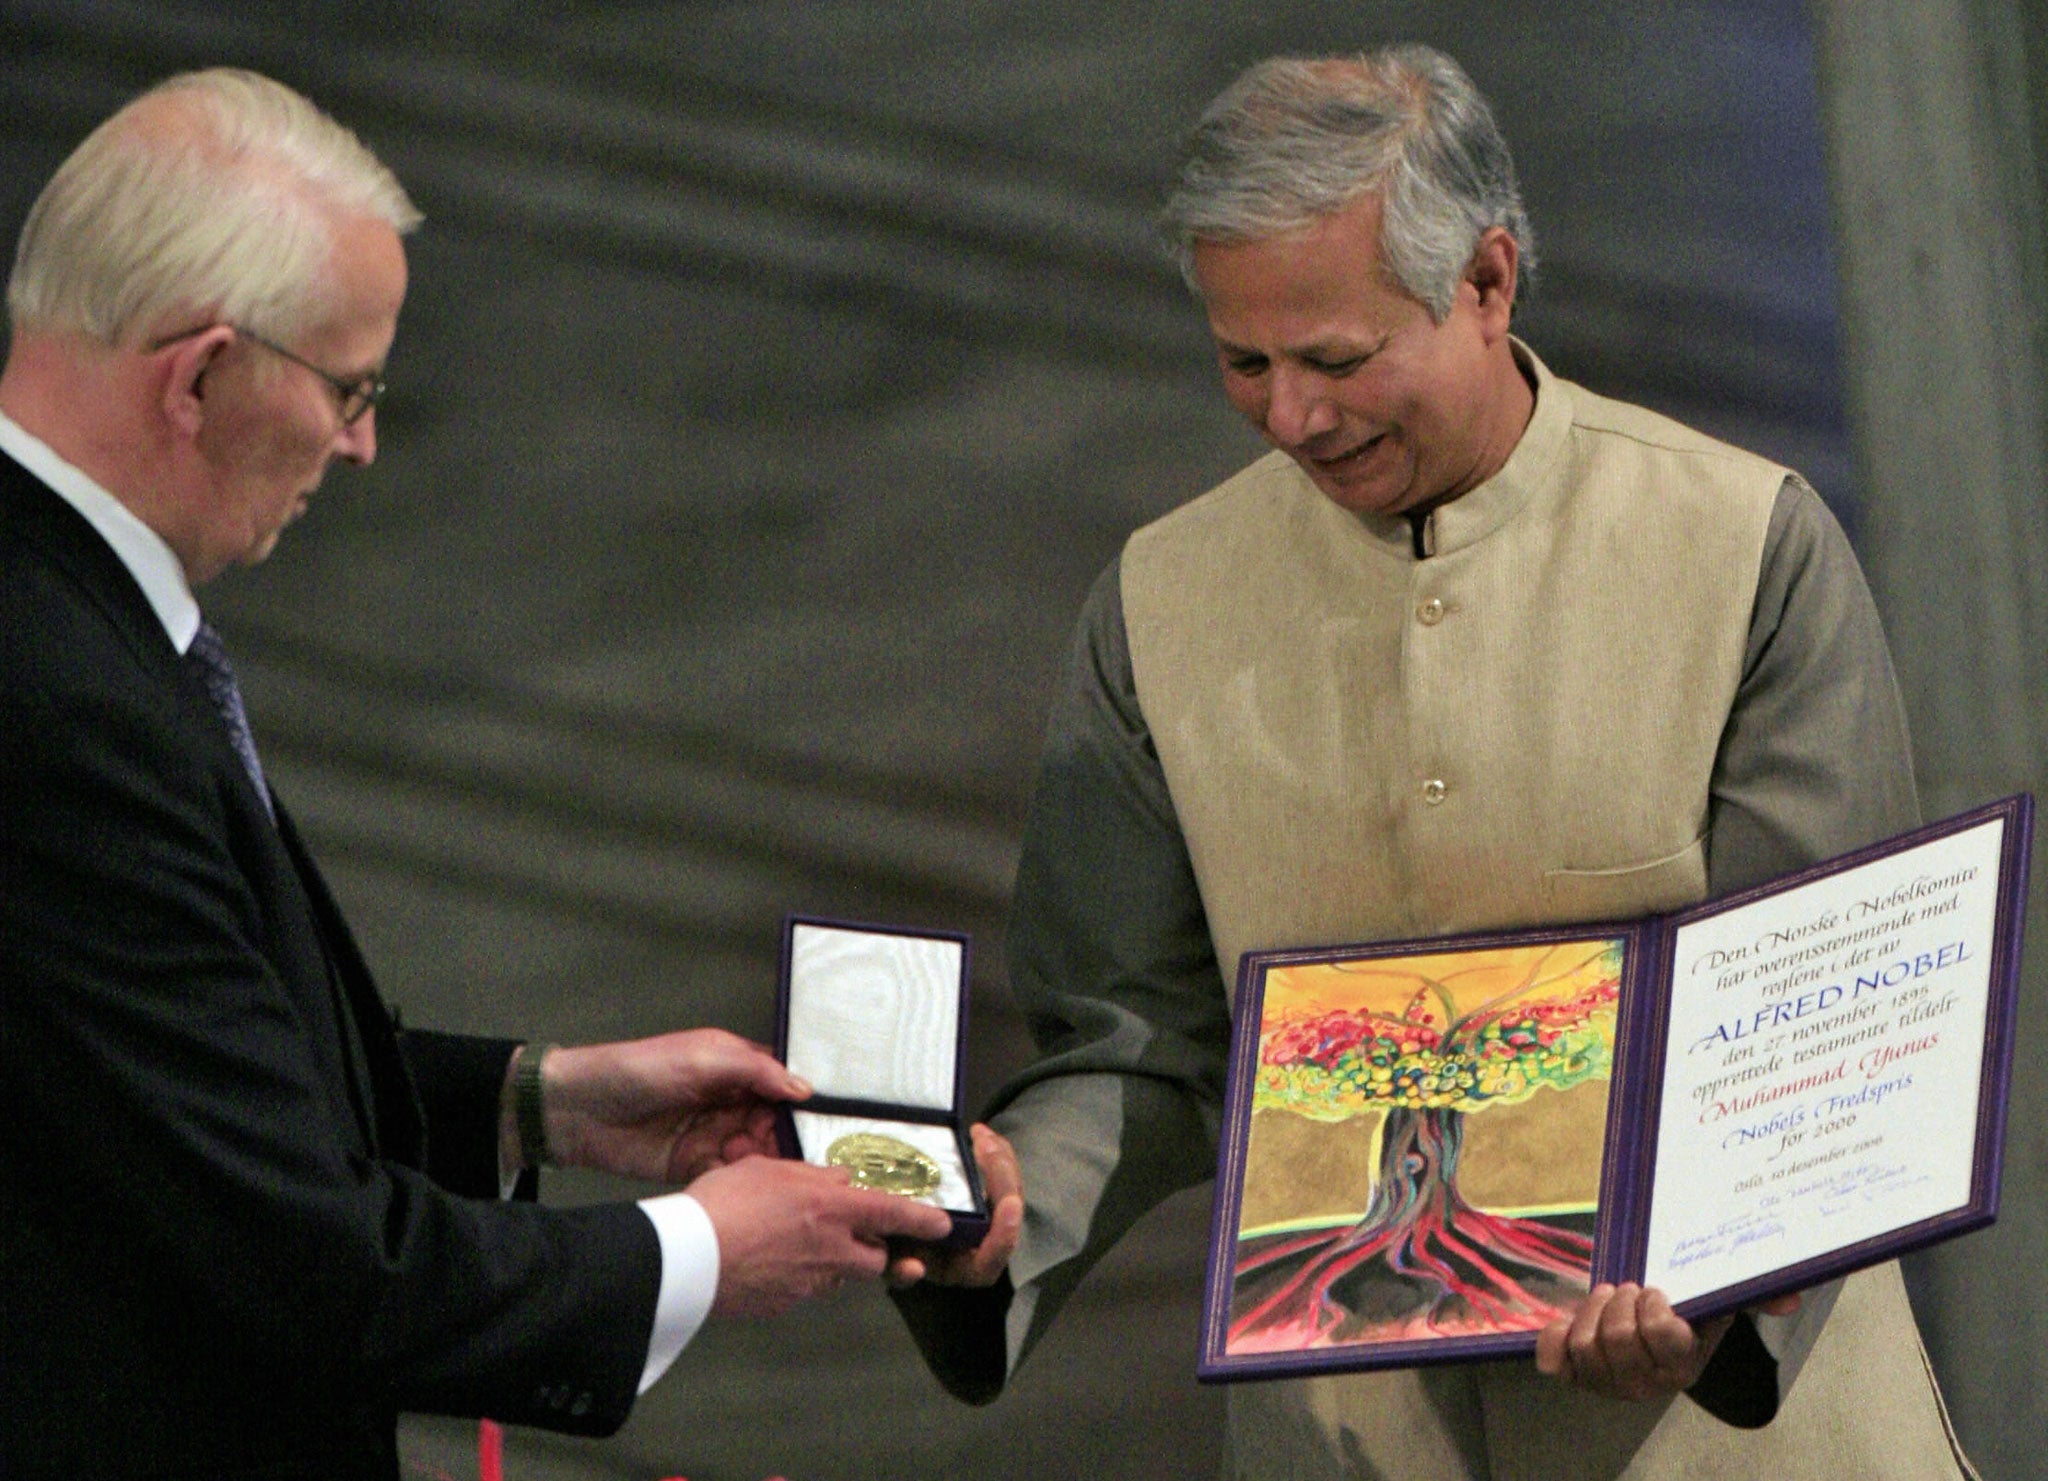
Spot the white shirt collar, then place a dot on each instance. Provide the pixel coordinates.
(152, 563)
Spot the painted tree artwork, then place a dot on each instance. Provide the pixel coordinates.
(1426, 1046)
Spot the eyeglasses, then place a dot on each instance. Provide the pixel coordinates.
(355, 396)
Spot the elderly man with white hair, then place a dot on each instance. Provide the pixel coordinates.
(1472, 648)
(246, 1220)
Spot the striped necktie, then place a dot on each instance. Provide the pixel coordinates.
(226, 694)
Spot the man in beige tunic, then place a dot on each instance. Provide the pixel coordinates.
(1473, 648)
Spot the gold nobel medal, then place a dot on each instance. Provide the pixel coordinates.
(884, 1163)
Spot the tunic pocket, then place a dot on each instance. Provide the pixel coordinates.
(1629, 890)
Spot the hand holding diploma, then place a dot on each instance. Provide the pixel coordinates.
(1626, 1342)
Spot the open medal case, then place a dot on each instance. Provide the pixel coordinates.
(875, 1017)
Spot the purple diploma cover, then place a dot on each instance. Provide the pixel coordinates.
(1431, 1149)
(875, 1017)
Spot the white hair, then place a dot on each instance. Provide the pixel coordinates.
(1291, 141)
(213, 196)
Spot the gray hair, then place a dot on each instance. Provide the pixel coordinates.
(214, 194)
(1293, 140)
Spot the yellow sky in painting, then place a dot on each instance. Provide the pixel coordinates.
(1471, 978)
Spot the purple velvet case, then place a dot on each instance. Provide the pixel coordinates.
(1818, 1067)
(875, 1017)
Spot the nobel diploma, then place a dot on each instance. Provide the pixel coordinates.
(1432, 1148)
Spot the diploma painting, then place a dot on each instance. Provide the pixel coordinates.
(1423, 1159)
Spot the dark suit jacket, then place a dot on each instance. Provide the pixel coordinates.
(243, 1221)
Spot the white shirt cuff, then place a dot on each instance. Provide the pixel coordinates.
(689, 1278)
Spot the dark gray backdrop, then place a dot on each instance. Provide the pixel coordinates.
(775, 378)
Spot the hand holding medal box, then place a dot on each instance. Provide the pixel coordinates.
(875, 1017)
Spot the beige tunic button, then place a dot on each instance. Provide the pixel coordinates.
(1433, 791)
(1430, 613)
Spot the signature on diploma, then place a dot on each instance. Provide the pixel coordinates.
(1865, 1183)
(1824, 1197)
